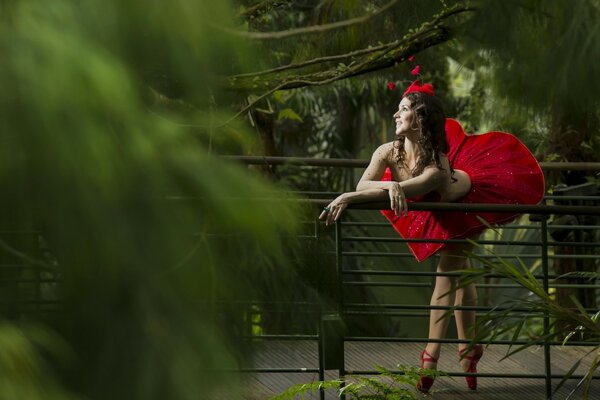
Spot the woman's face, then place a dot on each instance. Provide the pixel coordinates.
(404, 118)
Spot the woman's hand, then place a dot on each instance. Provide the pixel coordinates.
(334, 210)
(398, 202)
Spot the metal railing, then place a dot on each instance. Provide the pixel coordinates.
(331, 336)
(345, 309)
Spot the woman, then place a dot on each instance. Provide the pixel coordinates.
(433, 160)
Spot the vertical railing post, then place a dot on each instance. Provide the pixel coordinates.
(547, 361)
(331, 327)
(339, 267)
(340, 298)
(319, 329)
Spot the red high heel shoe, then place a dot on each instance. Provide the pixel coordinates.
(425, 382)
(473, 360)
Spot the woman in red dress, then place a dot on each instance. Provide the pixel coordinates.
(433, 160)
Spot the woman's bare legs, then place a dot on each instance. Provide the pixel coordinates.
(465, 319)
(444, 295)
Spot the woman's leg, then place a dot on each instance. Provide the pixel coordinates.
(444, 295)
(465, 319)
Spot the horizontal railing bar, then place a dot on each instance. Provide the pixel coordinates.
(511, 227)
(405, 314)
(414, 314)
(419, 314)
(351, 308)
(498, 242)
(274, 370)
(390, 284)
(540, 209)
(363, 163)
(399, 372)
(432, 273)
(547, 197)
(282, 311)
(375, 254)
(282, 337)
(479, 374)
(271, 302)
(479, 285)
(384, 306)
(561, 198)
(378, 339)
(382, 309)
(504, 256)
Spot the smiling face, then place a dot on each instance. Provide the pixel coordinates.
(404, 118)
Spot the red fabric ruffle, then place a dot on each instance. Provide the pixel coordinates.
(502, 171)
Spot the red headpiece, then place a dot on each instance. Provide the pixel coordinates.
(415, 87)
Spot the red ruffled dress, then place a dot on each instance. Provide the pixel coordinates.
(502, 171)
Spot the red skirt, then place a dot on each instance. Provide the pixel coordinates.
(502, 171)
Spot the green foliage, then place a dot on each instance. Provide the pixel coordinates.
(155, 238)
(288, 113)
(541, 49)
(23, 373)
(510, 319)
(388, 385)
(535, 78)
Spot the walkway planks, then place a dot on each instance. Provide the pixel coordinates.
(364, 356)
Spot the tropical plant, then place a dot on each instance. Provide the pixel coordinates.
(509, 321)
(388, 385)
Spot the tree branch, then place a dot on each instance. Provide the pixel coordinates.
(318, 60)
(429, 34)
(306, 30)
(376, 58)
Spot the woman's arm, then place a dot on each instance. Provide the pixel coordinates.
(334, 210)
(431, 179)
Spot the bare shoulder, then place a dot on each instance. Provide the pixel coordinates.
(384, 152)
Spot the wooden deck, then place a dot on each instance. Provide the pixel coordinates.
(366, 355)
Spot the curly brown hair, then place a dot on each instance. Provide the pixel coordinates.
(431, 121)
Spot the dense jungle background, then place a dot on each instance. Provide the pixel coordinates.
(142, 241)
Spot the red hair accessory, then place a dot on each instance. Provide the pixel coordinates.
(415, 87)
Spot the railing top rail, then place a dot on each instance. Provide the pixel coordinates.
(541, 209)
(362, 163)
(474, 207)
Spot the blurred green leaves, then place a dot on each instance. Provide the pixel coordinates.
(153, 235)
(23, 375)
(543, 52)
